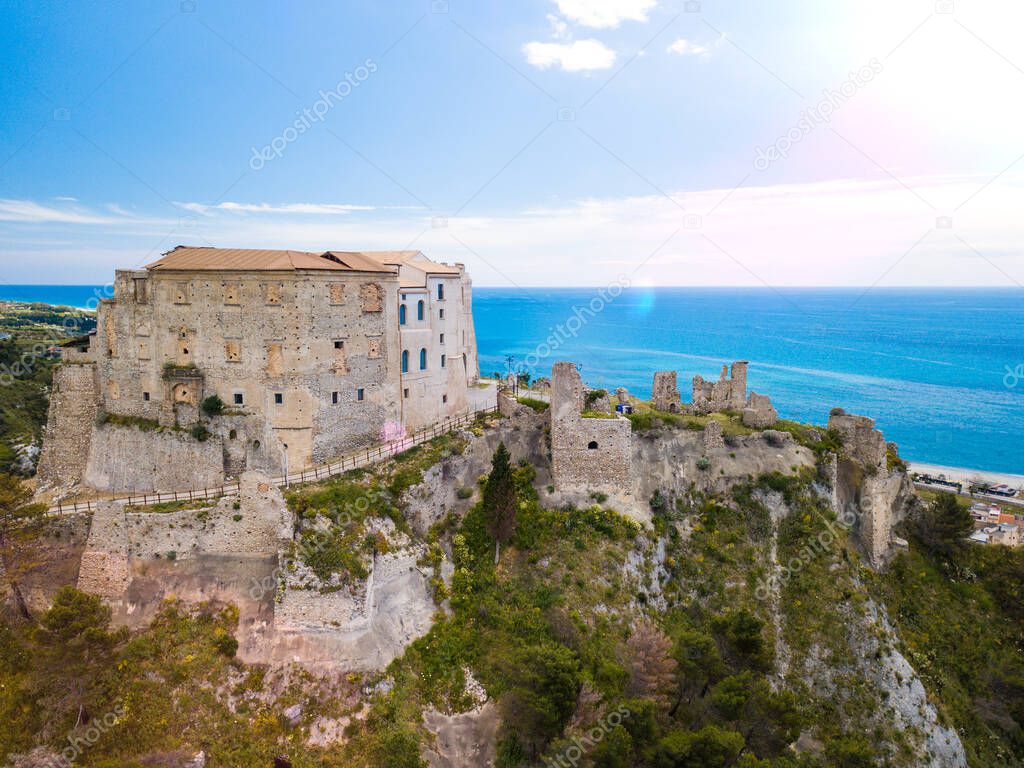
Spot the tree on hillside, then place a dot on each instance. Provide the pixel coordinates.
(19, 519)
(943, 526)
(651, 666)
(500, 501)
(76, 647)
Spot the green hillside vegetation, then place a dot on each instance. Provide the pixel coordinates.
(680, 632)
(26, 330)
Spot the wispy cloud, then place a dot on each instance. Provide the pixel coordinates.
(604, 14)
(315, 209)
(30, 212)
(579, 56)
(684, 47)
(842, 232)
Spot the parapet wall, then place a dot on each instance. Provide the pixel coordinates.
(124, 458)
(74, 407)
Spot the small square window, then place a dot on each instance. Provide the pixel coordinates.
(239, 398)
(360, 394)
(339, 345)
(405, 392)
(278, 398)
(145, 396)
(334, 398)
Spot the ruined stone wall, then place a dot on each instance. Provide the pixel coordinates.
(125, 458)
(592, 453)
(74, 405)
(759, 412)
(728, 393)
(877, 498)
(861, 440)
(666, 392)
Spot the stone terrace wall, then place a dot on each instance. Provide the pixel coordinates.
(104, 569)
(74, 406)
(130, 459)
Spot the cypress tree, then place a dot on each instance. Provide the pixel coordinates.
(500, 502)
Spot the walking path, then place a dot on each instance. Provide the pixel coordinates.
(361, 458)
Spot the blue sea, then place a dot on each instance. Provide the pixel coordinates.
(941, 370)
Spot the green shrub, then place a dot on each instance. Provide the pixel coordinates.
(200, 433)
(537, 405)
(213, 406)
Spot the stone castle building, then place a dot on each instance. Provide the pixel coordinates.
(312, 354)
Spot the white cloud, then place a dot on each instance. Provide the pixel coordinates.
(30, 212)
(316, 209)
(604, 14)
(559, 29)
(579, 56)
(684, 47)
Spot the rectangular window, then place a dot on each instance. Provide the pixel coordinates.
(360, 394)
(442, 361)
(334, 398)
(339, 345)
(278, 398)
(442, 339)
(405, 392)
(444, 398)
(440, 291)
(141, 290)
(239, 398)
(441, 315)
(145, 396)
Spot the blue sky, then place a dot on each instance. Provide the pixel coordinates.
(545, 142)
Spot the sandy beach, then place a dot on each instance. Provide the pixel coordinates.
(961, 475)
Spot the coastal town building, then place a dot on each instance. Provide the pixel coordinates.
(310, 354)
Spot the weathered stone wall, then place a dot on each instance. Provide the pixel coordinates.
(713, 437)
(861, 440)
(104, 568)
(74, 405)
(125, 458)
(592, 453)
(728, 393)
(666, 392)
(877, 498)
(759, 412)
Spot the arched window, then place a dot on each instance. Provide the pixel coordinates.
(423, 359)
(419, 310)
(401, 314)
(405, 361)
(440, 291)
(592, 446)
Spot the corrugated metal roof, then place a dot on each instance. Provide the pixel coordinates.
(188, 258)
